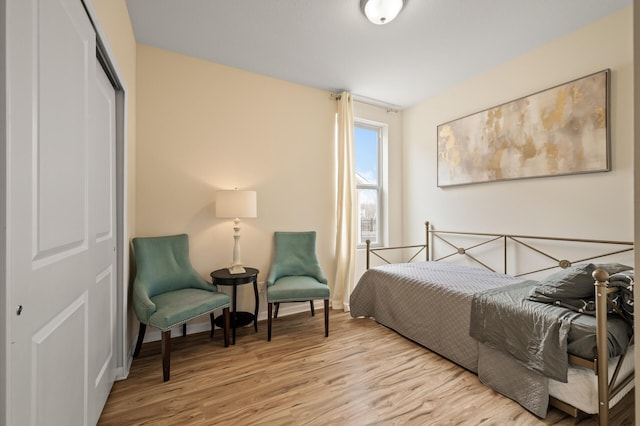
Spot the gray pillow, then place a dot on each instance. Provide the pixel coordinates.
(575, 282)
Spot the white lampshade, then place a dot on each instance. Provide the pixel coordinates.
(236, 204)
(381, 12)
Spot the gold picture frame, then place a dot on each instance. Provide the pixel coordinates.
(563, 130)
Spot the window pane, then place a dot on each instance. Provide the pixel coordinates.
(366, 154)
(368, 215)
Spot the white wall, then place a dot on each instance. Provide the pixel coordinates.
(598, 205)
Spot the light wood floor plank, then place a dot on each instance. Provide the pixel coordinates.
(362, 374)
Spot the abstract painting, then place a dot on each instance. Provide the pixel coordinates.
(559, 131)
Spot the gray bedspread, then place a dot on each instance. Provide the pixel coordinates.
(428, 302)
(533, 333)
(431, 304)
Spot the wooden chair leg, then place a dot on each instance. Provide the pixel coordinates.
(166, 354)
(269, 309)
(213, 324)
(277, 309)
(227, 326)
(313, 312)
(326, 318)
(141, 331)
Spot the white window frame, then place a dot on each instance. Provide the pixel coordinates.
(383, 130)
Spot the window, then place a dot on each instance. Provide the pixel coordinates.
(368, 159)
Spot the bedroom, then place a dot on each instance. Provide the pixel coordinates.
(178, 158)
(203, 162)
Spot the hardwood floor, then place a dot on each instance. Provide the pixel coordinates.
(362, 374)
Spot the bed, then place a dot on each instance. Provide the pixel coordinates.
(454, 309)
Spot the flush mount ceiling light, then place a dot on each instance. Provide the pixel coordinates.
(381, 12)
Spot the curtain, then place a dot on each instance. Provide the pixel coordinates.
(346, 206)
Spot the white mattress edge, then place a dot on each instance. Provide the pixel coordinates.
(581, 391)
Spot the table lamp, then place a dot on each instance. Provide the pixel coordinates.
(236, 204)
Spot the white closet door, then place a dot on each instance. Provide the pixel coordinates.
(102, 291)
(61, 213)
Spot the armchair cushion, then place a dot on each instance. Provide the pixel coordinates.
(296, 289)
(177, 307)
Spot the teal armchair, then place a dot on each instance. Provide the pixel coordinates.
(295, 275)
(168, 292)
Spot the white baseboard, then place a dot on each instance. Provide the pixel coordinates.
(123, 372)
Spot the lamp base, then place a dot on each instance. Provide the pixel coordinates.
(236, 269)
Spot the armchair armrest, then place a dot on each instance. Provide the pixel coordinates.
(271, 277)
(142, 304)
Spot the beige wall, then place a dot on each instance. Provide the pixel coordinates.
(196, 127)
(203, 127)
(598, 205)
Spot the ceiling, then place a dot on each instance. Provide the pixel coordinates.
(329, 44)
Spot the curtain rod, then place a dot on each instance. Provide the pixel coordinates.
(368, 101)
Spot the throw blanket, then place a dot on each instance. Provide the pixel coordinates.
(535, 334)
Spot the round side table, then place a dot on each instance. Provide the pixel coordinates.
(238, 319)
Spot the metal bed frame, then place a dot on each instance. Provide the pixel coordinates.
(607, 388)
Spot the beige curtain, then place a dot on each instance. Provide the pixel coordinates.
(346, 206)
